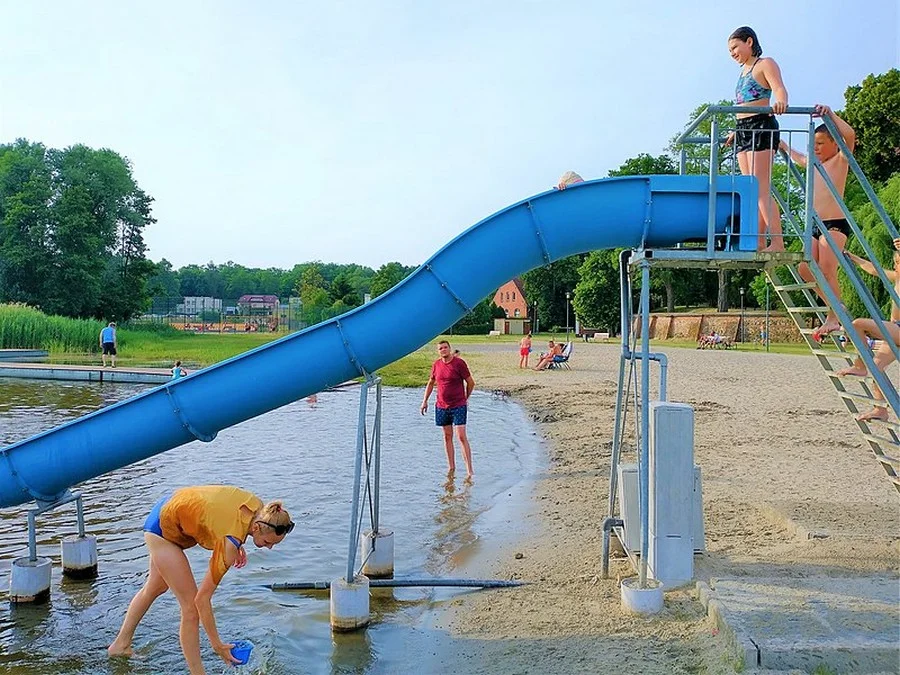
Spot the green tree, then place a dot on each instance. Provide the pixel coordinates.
(877, 235)
(597, 300)
(25, 193)
(313, 295)
(387, 276)
(124, 290)
(547, 286)
(872, 108)
(71, 231)
(645, 165)
(163, 281)
(697, 155)
(342, 290)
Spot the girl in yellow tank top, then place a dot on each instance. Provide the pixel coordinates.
(219, 518)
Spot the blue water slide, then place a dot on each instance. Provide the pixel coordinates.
(629, 212)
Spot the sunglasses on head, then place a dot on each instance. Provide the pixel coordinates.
(280, 529)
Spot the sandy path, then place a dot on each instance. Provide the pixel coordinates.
(780, 456)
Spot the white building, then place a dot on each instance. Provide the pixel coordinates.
(194, 304)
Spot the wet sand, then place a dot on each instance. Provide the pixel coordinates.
(790, 489)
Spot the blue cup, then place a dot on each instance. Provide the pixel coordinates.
(241, 651)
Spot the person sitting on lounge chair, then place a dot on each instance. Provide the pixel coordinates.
(554, 350)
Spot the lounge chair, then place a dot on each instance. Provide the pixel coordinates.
(561, 361)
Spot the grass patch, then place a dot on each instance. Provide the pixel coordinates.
(412, 370)
(158, 350)
(24, 327)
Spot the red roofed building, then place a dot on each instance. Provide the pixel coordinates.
(264, 305)
(511, 298)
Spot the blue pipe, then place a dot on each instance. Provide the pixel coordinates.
(630, 212)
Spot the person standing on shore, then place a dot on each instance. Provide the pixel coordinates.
(108, 343)
(454, 386)
(524, 350)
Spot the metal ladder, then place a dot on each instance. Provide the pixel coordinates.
(800, 300)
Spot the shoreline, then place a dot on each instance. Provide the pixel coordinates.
(780, 457)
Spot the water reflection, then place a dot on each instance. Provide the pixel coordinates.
(302, 453)
(455, 538)
(351, 653)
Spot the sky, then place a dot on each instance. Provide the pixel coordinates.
(276, 133)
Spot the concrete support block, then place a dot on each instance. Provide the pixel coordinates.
(79, 557)
(350, 603)
(29, 581)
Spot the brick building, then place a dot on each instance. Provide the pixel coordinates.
(511, 298)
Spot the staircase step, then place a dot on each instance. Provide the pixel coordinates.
(862, 397)
(811, 331)
(882, 441)
(887, 424)
(834, 353)
(807, 310)
(796, 287)
(851, 378)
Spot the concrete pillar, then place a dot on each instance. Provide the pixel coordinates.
(350, 603)
(79, 557)
(29, 580)
(637, 600)
(379, 549)
(671, 510)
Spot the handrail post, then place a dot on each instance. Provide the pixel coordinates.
(810, 175)
(645, 422)
(713, 181)
(357, 476)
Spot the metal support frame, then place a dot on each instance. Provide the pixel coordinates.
(43, 507)
(630, 356)
(366, 452)
(708, 256)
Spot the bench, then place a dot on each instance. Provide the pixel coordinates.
(597, 337)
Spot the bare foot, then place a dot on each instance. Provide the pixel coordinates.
(859, 371)
(119, 650)
(828, 327)
(873, 414)
(773, 248)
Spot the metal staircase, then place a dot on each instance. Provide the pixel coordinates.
(802, 301)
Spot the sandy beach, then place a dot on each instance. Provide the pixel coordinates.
(790, 489)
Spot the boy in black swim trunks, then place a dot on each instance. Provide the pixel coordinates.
(836, 166)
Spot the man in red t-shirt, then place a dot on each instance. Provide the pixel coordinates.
(454, 386)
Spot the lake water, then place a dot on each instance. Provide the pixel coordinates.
(304, 454)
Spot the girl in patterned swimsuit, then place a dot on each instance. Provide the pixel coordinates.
(756, 138)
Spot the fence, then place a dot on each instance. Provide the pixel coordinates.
(224, 315)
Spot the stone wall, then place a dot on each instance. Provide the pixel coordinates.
(691, 326)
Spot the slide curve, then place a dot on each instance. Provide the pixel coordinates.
(628, 212)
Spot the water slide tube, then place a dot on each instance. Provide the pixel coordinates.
(628, 212)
